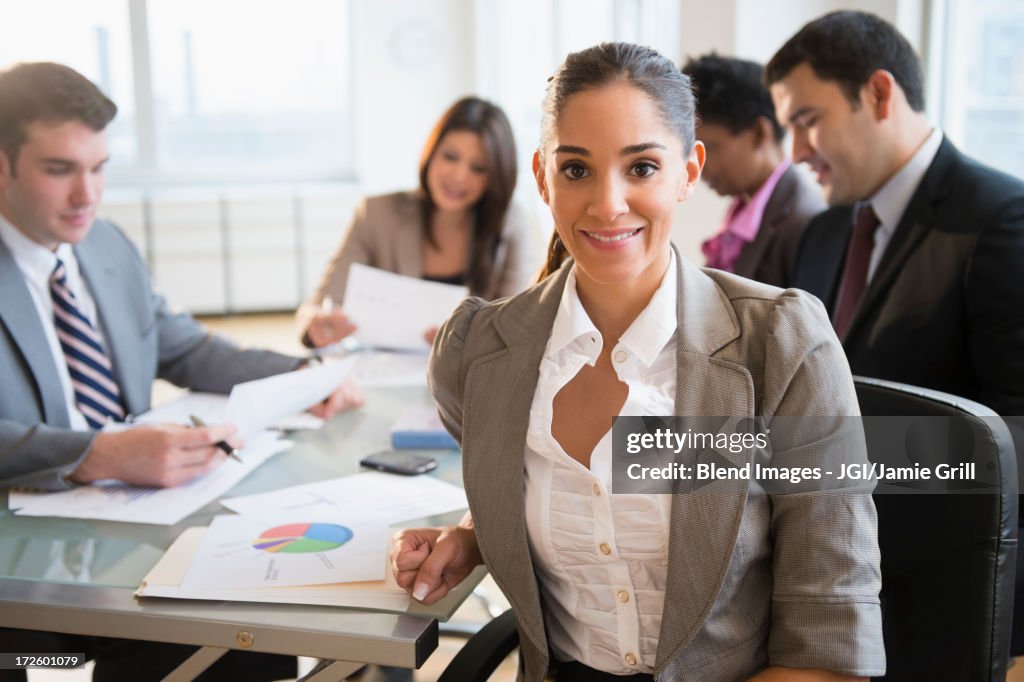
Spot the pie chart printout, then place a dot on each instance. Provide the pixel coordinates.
(303, 538)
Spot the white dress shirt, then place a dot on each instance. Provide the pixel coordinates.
(601, 559)
(891, 201)
(37, 263)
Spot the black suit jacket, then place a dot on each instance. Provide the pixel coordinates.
(944, 310)
(771, 256)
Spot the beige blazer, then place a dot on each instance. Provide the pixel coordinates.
(386, 232)
(754, 579)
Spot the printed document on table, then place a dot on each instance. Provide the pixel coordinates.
(373, 497)
(393, 311)
(285, 550)
(116, 501)
(166, 578)
(252, 406)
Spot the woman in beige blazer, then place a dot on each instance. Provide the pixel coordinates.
(742, 582)
(458, 227)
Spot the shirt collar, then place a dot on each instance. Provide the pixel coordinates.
(646, 336)
(34, 260)
(657, 323)
(890, 202)
(745, 217)
(571, 321)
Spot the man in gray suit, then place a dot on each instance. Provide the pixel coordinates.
(77, 353)
(773, 201)
(82, 332)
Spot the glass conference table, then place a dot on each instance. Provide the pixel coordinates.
(78, 576)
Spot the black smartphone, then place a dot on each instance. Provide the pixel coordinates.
(398, 462)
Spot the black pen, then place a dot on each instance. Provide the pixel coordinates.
(222, 444)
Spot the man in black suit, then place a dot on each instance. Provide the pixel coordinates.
(919, 259)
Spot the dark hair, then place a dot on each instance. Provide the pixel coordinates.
(489, 122)
(847, 47)
(643, 68)
(44, 91)
(731, 93)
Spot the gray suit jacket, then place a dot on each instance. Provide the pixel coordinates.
(144, 338)
(771, 257)
(386, 232)
(754, 579)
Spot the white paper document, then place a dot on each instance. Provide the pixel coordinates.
(212, 408)
(393, 311)
(166, 580)
(285, 550)
(116, 501)
(253, 406)
(373, 497)
(257, 405)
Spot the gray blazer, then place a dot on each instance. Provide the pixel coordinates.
(754, 580)
(386, 233)
(144, 339)
(771, 257)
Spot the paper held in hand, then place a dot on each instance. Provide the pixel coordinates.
(393, 311)
(257, 405)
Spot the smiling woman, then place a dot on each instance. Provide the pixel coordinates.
(613, 203)
(458, 227)
(628, 586)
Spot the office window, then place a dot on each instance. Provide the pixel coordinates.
(250, 86)
(225, 91)
(92, 38)
(979, 79)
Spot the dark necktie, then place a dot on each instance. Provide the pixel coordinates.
(92, 378)
(855, 270)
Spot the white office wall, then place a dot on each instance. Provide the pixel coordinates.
(412, 60)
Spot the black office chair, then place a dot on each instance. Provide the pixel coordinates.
(484, 651)
(948, 560)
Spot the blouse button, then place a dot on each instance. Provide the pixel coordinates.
(620, 356)
(605, 549)
(630, 659)
(597, 490)
(623, 596)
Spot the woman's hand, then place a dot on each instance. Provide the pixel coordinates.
(346, 397)
(329, 327)
(430, 334)
(429, 562)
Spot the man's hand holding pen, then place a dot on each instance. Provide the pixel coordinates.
(163, 455)
(222, 445)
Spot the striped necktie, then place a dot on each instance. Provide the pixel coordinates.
(92, 378)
